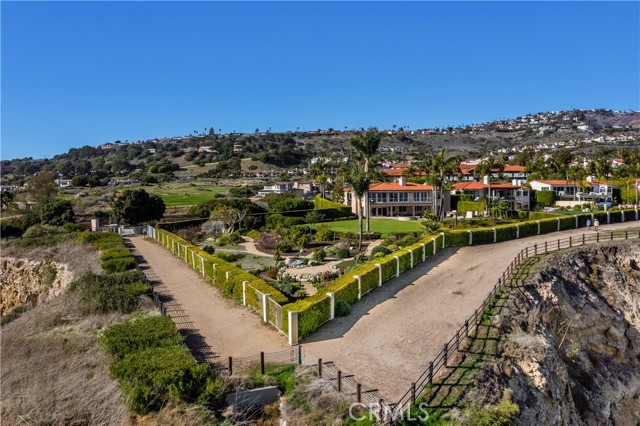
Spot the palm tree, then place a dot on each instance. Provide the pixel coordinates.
(359, 182)
(438, 167)
(484, 169)
(366, 146)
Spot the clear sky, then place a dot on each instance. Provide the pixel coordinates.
(85, 73)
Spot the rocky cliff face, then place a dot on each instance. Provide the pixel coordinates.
(571, 354)
(28, 282)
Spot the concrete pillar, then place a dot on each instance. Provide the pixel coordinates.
(470, 238)
(397, 266)
(227, 275)
(411, 253)
(558, 224)
(443, 242)
(517, 231)
(193, 259)
(293, 327)
(202, 261)
(379, 274)
(332, 302)
(424, 252)
(359, 285)
(495, 235)
(576, 221)
(622, 216)
(265, 300)
(608, 217)
(244, 292)
(538, 226)
(434, 246)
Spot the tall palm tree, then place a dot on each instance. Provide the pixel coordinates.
(359, 182)
(437, 168)
(484, 169)
(366, 146)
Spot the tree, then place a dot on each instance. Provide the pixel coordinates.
(359, 182)
(437, 168)
(484, 169)
(6, 198)
(43, 190)
(366, 146)
(58, 213)
(136, 206)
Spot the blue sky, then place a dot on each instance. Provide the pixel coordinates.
(85, 73)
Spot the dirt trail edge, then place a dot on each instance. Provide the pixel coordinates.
(227, 328)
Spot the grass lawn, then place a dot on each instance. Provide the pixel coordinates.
(384, 226)
(185, 194)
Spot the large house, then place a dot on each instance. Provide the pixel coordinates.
(589, 190)
(402, 198)
(517, 196)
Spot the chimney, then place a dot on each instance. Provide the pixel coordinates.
(485, 179)
(402, 181)
(591, 179)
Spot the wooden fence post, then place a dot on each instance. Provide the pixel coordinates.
(262, 363)
(230, 366)
(339, 381)
(413, 392)
(358, 392)
(319, 367)
(430, 372)
(446, 354)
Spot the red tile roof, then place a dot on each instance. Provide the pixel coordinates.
(395, 186)
(477, 186)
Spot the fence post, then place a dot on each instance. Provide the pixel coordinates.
(358, 392)
(265, 299)
(244, 292)
(202, 261)
(583, 239)
(339, 381)
(535, 248)
(597, 237)
(434, 246)
(359, 286)
(379, 274)
(517, 231)
(293, 327)
(608, 217)
(611, 235)
(466, 327)
(495, 235)
(411, 255)
(558, 224)
(470, 237)
(576, 221)
(558, 243)
(397, 266)
(626, 234)
(299, 354)
(545, 247)
(443, 235)
(457, 340)
(193, 259)
(424, 252)
(430, 372)
(332, 302)
(570, 241)
(262, 363)
(230, 366)
(538, 226)
(413, 392)
(445, 357)
(320, 367)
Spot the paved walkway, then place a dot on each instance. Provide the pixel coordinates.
(229, 329)
(394, 331)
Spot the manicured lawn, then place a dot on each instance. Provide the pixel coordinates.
(187, 195)
(384, 226)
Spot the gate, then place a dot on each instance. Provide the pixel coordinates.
(274, 313)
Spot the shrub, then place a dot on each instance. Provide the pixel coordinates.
(228, 239)
(312, 313)
(319, 255)
(133, 336)
(253, 234)
(209, 249)
(342, 309)
(58, 213)
(107, 293)
(501, 414)
(284, 246)
(40, 231)
(268, 241)
(119, 264)
(115, 253)
(137, 289)
(545, 198)
(380, 249)
(342, 253)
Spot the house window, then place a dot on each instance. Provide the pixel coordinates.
(378, 197)
(398, 197)
(422, 197)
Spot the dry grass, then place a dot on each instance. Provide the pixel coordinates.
(55, 373)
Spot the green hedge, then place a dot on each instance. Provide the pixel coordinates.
(568, 222)
(459, 237)
(506, 232)
(482, 236)
(528, 229)
(312, 313)
(471, 206)
(120, 264)
(369, 276)
(545, 198)
(132, 336)
(345, 289)
(115, 253)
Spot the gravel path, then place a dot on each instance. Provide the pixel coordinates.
(229, 329)
(393, 332)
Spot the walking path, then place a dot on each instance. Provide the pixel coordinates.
(390, 335)
(230, 330)
(394, 331)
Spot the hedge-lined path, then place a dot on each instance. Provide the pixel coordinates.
(229, 329)
(394, 331)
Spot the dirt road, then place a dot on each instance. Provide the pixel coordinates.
(229, 329)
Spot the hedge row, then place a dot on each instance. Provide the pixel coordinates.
(115, 256)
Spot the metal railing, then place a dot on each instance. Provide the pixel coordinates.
(393, 412)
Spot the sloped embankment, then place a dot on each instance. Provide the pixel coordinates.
(571, 354)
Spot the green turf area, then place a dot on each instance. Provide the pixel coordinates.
(384, 226)
(187, 195)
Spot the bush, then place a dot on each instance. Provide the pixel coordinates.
(342, 253)
(380, 249)
(228, 239)
(58, 213)
(133, 336)
(40, 231)
(253, 234)
(115, 253)
(209, 249)
(342, 309)
(119, 265)
(284, 247)
(319, 255)
(107, 293)
(268, 241)
(545, 198)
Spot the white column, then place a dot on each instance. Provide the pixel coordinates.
(265, 298)
(576, 221)
(193, 259)
(495, 235)
(622, 216)
(379, 274)
(538, 226)
(359, 286)
(517, 231)
(424, 252)
(434, 246)
(293, 327)
(636, 210)
(397, 266)
(608, 217)
(244, 292)
(470, 238)
(443, 244)
(411, 253)
(558, 224)
(227, 275)
(202, 261)
(332, 302)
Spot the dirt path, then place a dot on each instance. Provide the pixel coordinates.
(393, 332)
(229, 329)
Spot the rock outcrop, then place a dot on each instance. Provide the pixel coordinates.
(29, 282)
(571, 353)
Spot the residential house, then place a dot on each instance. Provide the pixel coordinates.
(518, 197)
(583, 191)
(63, 183)
(402, 198)
(279, 188)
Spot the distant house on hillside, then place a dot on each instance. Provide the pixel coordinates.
(590, 190)
(518, 197)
